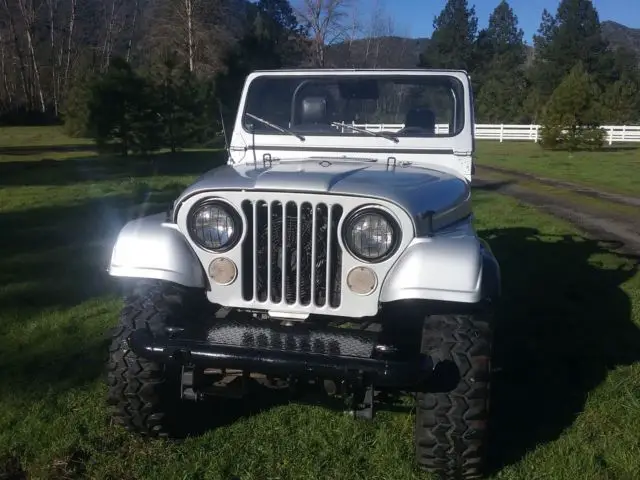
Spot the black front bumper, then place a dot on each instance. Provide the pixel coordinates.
(283, 352)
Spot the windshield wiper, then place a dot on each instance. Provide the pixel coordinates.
(388, 136)
(273, 125)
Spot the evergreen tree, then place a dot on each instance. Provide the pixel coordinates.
(626, 63)
(531, 105)
(181, 102)
(621, 101)
(572, 36)
(281, 17)
(121, 109)
(276, 27)
(500, 52)
(454, 35)
(505, 37)
(274, 40)
(572, 116)
(501, 99)
(75, 110)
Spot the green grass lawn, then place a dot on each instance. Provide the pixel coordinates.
(615, 171)
(37, 137)
(566, 398)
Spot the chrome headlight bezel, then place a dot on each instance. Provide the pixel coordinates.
(355, 216)
(229, 210)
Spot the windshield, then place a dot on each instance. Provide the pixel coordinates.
(356, 105)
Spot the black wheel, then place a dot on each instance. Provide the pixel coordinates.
(145, 396)
(451, 419)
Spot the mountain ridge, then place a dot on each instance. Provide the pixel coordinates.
(404, 52)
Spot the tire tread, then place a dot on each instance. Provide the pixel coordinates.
(451, 423)
(142, 395)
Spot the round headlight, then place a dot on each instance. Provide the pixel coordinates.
(371, 235)
(214, 226)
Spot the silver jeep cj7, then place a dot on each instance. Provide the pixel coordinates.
(335, 248)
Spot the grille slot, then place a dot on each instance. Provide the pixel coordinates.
(291, 253)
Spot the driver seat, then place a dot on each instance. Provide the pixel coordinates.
(314, 115)
(420, 118)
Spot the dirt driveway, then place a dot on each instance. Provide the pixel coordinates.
(605, 224)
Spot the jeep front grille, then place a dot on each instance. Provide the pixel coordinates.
(291, 253)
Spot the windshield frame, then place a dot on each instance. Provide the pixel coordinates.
(460, 95)
(246, 146)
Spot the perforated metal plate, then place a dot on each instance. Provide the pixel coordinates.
(335, 341)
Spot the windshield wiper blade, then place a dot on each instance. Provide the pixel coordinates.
(273, 125)
(388, 136)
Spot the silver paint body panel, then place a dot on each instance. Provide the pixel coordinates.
(415, 189)
(146, 248)
(446, 267)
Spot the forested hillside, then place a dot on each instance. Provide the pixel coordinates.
(404, 52)
(67, 60)
(621, 36)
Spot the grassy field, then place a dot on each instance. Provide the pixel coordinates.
(38, 136)
(617, 170)
(566, 397)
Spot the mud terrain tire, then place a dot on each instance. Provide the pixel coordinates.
(144, 396)
(451, 419)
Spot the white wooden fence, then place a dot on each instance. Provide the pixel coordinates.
(615, 133)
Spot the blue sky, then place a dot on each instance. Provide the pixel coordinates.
(415, 17)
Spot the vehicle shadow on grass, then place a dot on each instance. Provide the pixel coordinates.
(55, 293)
(563, 323)
(198, 418)
(107, 168)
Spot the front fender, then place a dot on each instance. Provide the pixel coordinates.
(449, 268)
(146, 248)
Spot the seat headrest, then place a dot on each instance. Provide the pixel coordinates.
(314, 110)
(422, 118)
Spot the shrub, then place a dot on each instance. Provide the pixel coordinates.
(75, 111)
(571, 117)
(122, 109)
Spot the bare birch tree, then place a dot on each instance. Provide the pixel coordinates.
(196, 30)
(132, 33)
(114, 23)
(326, 22)
(6, 81)
(53, 58)
(188, 21)
(18, 51)
(354, 31)
(110, 13)
(72, 21)
(29, 11)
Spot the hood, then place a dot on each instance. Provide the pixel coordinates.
(416, 189)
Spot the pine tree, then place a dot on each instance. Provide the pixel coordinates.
(454, 35)
(621, 102)
(572, 116)
(500, 51)
(75, 109)
(501, 99)
(181, 104)
(122, 109)
(274, 40)
(276, 26)
(572, 36)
